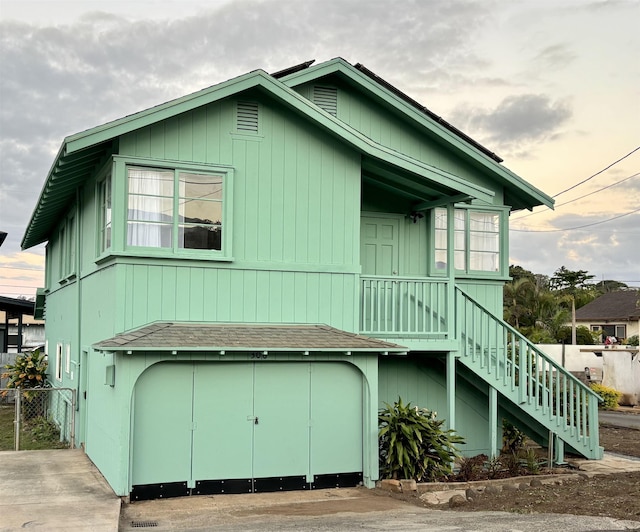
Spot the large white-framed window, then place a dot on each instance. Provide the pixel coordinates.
(477, 240)
(180, 210)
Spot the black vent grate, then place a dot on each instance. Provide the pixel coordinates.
(326, 98)
(144, 524)
(248, 117)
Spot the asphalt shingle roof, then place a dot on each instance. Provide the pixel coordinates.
(622, 305)
(164, 336)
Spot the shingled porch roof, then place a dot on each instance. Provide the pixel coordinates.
(170, 336)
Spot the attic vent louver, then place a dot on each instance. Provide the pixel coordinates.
(326, 98)
(247, 117)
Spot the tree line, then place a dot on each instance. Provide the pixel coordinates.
(541, 306)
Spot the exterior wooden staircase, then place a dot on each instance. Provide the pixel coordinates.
(528, 378)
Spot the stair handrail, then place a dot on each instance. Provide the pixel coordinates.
(524, 339)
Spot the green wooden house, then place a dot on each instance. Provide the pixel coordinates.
(237, 280)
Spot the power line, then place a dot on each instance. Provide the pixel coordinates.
(574, 228)
(581, 197)
(597, 173)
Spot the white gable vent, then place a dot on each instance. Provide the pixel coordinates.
(247, 117)
(326, 98)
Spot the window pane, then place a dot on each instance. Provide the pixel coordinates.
(200, 211)
(150, 208)
(483, 221)
(483, 261)
(150, 181)
(441, 260)
(459, 217)
(484, 242)
(200, 186)
(459, 260)
(200, 237)
(441, 218)
(152, 235)
(441, 239)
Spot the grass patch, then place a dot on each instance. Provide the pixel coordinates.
(36, 434)
(6, 427)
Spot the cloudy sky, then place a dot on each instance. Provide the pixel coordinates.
(552, 86)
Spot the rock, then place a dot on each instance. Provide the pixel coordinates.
(473, 493)
(391, 485)
(456, 501)
(535, 483)
(440, 497)
(523, 486)
(509, 487)
(493, 489)
(408, 485)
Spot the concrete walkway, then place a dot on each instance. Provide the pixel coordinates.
(55, 490)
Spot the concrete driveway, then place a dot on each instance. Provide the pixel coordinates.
(55, 490)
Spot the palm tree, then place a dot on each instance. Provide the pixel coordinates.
(517, 300)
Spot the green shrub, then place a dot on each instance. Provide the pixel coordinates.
(583, 335)
(632, 340)
(414, 445)
(609, 395)
(471, 467)
(512, 438)
(28, 371)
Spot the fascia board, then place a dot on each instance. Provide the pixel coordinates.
(342, 67)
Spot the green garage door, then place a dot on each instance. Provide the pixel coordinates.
(242, 427)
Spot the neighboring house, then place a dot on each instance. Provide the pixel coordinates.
(237, 280)
(19, 331)
(612, 314)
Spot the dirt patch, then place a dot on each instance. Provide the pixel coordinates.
(615, 495)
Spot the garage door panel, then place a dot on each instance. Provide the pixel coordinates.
(162, 425)
(281, 406)
(336, 419)
(223, 430)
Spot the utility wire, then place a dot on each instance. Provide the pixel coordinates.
(578, 227)
(597, 173)
(581, 197)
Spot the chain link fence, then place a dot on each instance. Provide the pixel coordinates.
(37, 418)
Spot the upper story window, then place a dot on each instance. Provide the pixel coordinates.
(476, 240)
(174, 209)
(104, 223)
(66, 245)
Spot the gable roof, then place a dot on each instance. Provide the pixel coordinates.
(169, 336)
(518, 193)
(81, 154)
(622, 305)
